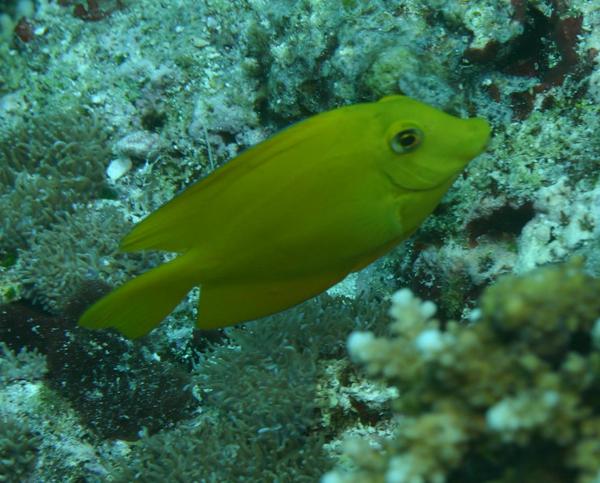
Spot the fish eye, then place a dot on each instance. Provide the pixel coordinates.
(406, 140)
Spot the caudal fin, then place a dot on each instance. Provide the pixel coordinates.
(138, 306)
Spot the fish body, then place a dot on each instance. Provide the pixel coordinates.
(294, 214)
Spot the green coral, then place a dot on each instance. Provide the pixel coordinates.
(512, 397)
(89, 241)
(262, 418)
(48, 163)
(27, 365)
(18, 449)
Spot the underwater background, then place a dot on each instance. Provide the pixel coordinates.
(471, 353)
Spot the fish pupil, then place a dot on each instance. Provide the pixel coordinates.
(406, 140)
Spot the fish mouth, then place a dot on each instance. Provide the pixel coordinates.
(405, 189)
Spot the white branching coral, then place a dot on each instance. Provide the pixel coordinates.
(412, 318)
(522, 376)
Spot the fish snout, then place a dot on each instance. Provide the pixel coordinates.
(477, 137)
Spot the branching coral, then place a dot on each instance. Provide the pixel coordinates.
(512, 397)
(89, 240)
(18, 450)
(47, 164)
(25, 364)
(261, 416)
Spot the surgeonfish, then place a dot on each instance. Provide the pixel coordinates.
(293, 215)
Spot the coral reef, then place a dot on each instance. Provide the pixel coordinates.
(109, 108)
(44, 439)
(123, 390)
(27, 365)
(282, 359)
(511, 397)
(19, 443)
(49, 162)
(18, 450)
(89, 239)
(118, 388)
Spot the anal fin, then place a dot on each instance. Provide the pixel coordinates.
(227, 304)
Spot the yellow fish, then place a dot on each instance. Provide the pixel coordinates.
(295, 214)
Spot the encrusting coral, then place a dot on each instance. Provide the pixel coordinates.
(513, 396)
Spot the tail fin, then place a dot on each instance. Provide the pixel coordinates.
(135, 308)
